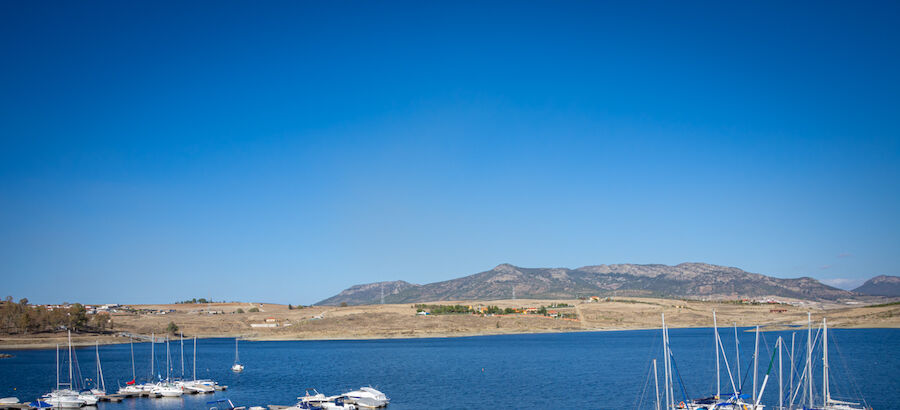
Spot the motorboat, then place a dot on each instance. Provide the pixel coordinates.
(193, 386)
(167, 390)
(367, 397)
(315, 399)
(67, 399)
(9, 400)
(337, 404)
(89, 398)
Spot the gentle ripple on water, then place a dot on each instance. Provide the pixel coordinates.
(595, 370)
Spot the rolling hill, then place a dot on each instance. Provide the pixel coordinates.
(881, 286)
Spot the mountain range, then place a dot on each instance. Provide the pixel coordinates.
(686, 280)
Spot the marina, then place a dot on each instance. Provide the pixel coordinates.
(592, 369)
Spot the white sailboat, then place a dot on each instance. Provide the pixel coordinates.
(194, 385)
(827, 402)
(167, 388)
(238, 367)
(60, 397)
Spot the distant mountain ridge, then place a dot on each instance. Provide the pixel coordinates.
(367, 294)
(686, 280)
(883, 285)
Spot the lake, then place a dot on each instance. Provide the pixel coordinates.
(592, 370)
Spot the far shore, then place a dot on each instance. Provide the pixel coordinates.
(275, 322)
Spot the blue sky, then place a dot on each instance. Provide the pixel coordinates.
(283, 151)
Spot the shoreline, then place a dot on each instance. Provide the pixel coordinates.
(350, 338)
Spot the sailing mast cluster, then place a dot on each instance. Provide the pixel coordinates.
(797, 391)
(73, 394)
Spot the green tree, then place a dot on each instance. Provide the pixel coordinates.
(77, 316)
(172, 328)
(253, 310)
(239, 310)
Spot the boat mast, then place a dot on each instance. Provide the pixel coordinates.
(152, 354)
(57, 366)
(666, 362)
(825, 392)
(755, 361)
(167, 358)
(656, 383)
(737, 352)
(791, 382)
(779, 344)
(236, 357)
(100, 370)
(131, 340)
(809, 357)
(70, 359)
(195, 358)
(716, 348)
(182, 355)
(671, 370)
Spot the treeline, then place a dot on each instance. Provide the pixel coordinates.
(22, 318)
(443, 309)
(195, 301)
(460, 309)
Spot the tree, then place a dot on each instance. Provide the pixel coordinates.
(172, 328)
(253, 310)
(239, 310)
(290, 307)
(77, 316)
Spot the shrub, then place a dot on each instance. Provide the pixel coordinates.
(172, 328)
(239, 310)
(253, 310)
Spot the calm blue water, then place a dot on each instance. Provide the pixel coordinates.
(603, 370)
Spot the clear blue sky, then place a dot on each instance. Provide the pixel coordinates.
(283, 151)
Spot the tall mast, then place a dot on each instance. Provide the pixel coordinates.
(152, 355)
(99, 382)
(182, 355)
(167, 358)
(70, 359)
(57, 366)
(656, 383)
(737, 352)
(716, 348)
(809, 357)
(195, 358)
(671, 371)
(236, 359)
(131, 340)
(791, 380)
(666, 361)
(825, 391)
(779, 344)
(755, 361)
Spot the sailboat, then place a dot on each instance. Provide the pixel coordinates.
(237, 366)
(131, 387)
(827, 402)
(194, 385)
(99, 384)
(68, 397)
(167, 388)
(735, 401)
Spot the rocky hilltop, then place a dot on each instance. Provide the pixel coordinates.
(686, 280)
(367, 294)
(883, 285)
